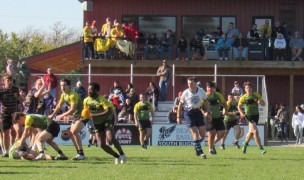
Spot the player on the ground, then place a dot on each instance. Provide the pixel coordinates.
(47, 131)
(230, 121)
(73, 100)
(142, 119)
(251, 101)
(191, 104)
(102, 114)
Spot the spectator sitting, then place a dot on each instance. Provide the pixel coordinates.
(296, 44)
(116, 86)
(196, 48)
(217, 34)
(123, 116)
(223, 47)
(240, 47)
(117, 100)
(130, 86)
(130, 109)
(133, 96)
(279, 47)
(167, 45)
(237, 91)
(182, 48)
(253, 34)
(79, 89)
(172, 115)
(152, 45)
(177, 99)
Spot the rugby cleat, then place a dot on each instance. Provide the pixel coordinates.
(78, 157)
(116, 160)
(203, 156)
(123, 159)
(236, 144)
(41, 156)
(262, 150)
(222, 147)
(244, 149)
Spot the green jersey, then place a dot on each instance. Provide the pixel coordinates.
(142, 109)
(250, 103)
(215, 100)
(72, 98)
(36, 121)
(231, 107)
(98, 105)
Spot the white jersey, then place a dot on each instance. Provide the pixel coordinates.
(192, 100)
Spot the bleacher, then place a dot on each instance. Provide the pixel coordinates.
(161, 114)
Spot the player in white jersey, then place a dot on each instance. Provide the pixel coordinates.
(191, 103)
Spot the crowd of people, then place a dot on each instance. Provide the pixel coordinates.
(123, 40)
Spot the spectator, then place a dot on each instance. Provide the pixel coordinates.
(24, 75)
(93, 28)
(152, 94)
(200, 33)
(10, 70)
(240, 47)
(177, 99)
(133, 96)
(279, 47)
(223, 47)
(106, 28)
(131, 31)
(265, 31)
(130, 86)
(237, 91)
(217, 34)
(297, 124)
(167, 45)
(283, 117)
(88, 41)
(232, 32)
(164, 72)
(152, 45)
(197, 50)
(273, 120)
(253, 34)
(117, 100)
(172, 115)
(130, 109)
(116, 86)
(50, 81)
(22, 95)
(80, 90)
(276, 30)
(296, 44)
(48, 104)
(182, 49)
(123, 116)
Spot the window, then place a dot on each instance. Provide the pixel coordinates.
(260, 21)
(156, 24)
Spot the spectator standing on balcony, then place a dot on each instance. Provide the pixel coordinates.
(223, 46)
(240, 47)
(283, 117)
(279, 47)
(165, 74)
(296, 44)
(131, 34)
(152, 45)
(106, 28)
(297, 124)
(253, 34)
(167, 42)
(251, 101)
(182, 49)
(265, 31)
(50, 81)
(88, 41)
(152, 93)
(232, 32)
(142, 119)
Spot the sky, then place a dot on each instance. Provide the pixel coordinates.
(18, 15)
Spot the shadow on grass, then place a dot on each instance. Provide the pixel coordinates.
(38, 167)
(13, 173)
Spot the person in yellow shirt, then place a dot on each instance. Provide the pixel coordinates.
(106, 28)
(266, 31)
(88, 41)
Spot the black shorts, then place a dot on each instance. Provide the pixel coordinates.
(217, 124)
(102, 127)
(53, 128)
(142, 125)
(84, 122)
(7, 122)
(230, 123)
(253, 119)
(194, 117)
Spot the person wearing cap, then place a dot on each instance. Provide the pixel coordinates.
(50, 81)
(88, 41)
(166, 43)
(24, 75)
(251, 101)
(164, 72)
(296, 44)
(237, 91)
(215, 127)
(194, 113)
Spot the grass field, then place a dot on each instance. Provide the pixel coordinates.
(163, 163)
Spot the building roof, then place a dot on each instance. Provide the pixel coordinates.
(61, 60)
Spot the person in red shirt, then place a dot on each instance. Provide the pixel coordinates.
(50, 80)
(131, 31)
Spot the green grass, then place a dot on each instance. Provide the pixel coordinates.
(163, 163)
